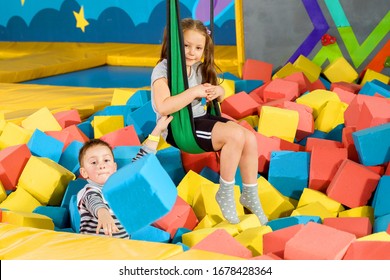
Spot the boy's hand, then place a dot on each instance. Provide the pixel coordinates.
(106, 222)
(161, 125)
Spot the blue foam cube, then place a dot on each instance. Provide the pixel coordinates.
(381, 223)
(144, 118)
(381, 198)
(43, 145)
(123, 155)
(170, 159)
(70, 157)
(247, 85)
(87, 128)
(152, 234)
(291, 221)
(59, 215)
(140, 193)
(74, 214)
(73, 188)
(289, 172)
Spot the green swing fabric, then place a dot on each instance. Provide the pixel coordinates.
(182, 125)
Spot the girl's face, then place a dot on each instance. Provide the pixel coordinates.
(194, 43)
(98, 164)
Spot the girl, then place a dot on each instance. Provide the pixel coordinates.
(237, 145)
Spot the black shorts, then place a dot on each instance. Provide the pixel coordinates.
(203, 127)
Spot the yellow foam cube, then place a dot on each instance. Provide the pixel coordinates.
(190, 185)
(330, 116)
(314, 209)
(43, 120)
(20, 200)
(378, 236)
(14, 135)
(45, 179)
(279, 122)
(229, 87)
(370, 75)
(340, 70)
(205, 202)
(2, 125)
(251, 120)
(106, 124)
(246, 221)
(275, 205)
(121, 96)
(3, 193)
(25, 219)
(309, 196)
(194, 237)
(311, 70)
(285, 71)
(252, 238)
(317, 100)
(208, 222)
(362, 211)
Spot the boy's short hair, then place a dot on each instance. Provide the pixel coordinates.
(92, 143)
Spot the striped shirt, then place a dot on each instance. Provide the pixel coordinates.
(90, 199)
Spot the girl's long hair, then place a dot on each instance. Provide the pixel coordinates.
(208, 66)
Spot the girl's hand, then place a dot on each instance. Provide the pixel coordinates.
(106, 222)
(213, 92)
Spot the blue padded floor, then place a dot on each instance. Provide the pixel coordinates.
(102, 77)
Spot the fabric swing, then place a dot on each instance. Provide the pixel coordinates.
(181, 127)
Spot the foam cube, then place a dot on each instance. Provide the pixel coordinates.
(197, 162)
(350, 87)
(371, 146)
(12, 161)
(229, 86)
(205, 203)
(340, 70)
(289, 172)
(177, 238)
(282, 123)
(381, 199)
(344, 95)
(3, 194)
(180, 216)
(375, 88)
(314, 209)
(106, 124)
(144, 182)
(59, 215)
(348, 143)
(208, 221)
(43, 145)
(368, 250)
(72, 189)
(69, 134)
(139, 98)
(309, 68)
(275, 241)
(216, 242)
(247, 85)
(124, 155)
(190, 185)
(151, 234)
(69, 158)
(252, 238)
(317, 99)
(352, 113)
(370, 75)
(352, 184)
(25, 219)
(331, 115)
(256, 70)
(309, 196)
(194, 237)
(121, 96)
(43, 120)
(20, 200)
(67, 118)
(143, 118)
(14, 135)
(170, 159)
(74, 214)
(87, 129)
(312, 243)
(281, 89)
(359, 226)
(324, 163)
(286, 222)
(239, 105)
(45, 179)
(211, 175)
(125, 136)
(362, 211)
(374, 112)
(275, 205)
(285, 71)
(381, 223)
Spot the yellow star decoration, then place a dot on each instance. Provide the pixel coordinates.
(81, 22)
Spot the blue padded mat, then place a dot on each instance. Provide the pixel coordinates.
(102, 77)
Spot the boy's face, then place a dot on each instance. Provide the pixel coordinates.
(98, 164)
(194, 43)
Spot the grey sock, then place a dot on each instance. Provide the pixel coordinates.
(225, 200)
(250, 200)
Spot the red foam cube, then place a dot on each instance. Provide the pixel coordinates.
(368, 250)
(68, 118)
(126, 136)
(239, 105)
(257, 70)
(359, 226)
